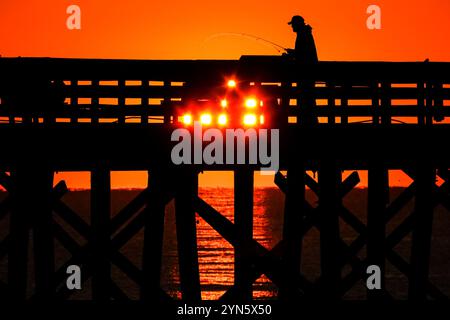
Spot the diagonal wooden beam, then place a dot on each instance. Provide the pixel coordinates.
(6, 181)
(73, 247)
(58, 191)
(404, 267)
(349, 252)
(398, 203)
(391, 241)
(81, 255)
(117, 294)
(396, 260)
(120, 239)
(310, 221)
(276, 272)
(129, 210)
(311, 184)
(443, 195)
(72, 218)
(345, 187)
(397, 234)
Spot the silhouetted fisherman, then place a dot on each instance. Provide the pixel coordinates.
(305, 53)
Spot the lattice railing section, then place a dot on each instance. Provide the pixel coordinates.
(105, 236)
(151, 92)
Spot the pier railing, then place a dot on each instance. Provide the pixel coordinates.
(149, 92)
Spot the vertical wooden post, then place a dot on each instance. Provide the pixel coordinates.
(429, 104)
(438, 101)
(331, 102)
(421, 236)
(144, 101)
(167, 101)
(281, 116)
(329, 204)
(101, 232)
(153, 236)
(42, 220)
(19, 237)
(385, 103)
(187, 235)
(32, 190)
(73, 100)
(243, 220)
(378, 191)
(344, 101)
(421, 103)
(122, 101)
(294, 214)
(374, 87)
(95, 102)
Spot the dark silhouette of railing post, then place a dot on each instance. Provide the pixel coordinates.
(331, 101)
(101, 233)
(73, 99)
(385, 103)
(166, 101)
(421, 103)
(345, 87)
(375, 93)
(243, 220)
(186, 192)
(144, 99)
(429, 103)
(122, 101)
(95, 103)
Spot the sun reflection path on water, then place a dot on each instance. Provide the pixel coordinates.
(216, 255)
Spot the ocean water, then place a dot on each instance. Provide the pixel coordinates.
(216, 256)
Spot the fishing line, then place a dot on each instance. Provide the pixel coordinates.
(266, 42)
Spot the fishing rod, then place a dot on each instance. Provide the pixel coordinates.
(250, 36)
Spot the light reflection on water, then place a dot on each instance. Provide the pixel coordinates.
(216, 255)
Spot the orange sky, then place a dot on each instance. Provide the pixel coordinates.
(178, 29)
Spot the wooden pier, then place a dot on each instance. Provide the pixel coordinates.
(107, 115)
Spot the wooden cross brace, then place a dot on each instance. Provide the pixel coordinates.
(138, 208)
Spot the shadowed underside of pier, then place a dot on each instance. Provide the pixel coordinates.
(106, 115)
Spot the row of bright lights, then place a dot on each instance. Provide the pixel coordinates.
(222, 120)
(250, 103)
(206, 119)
